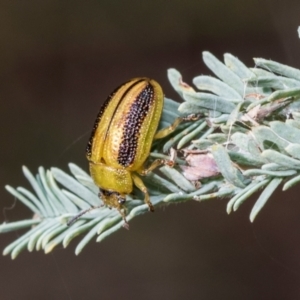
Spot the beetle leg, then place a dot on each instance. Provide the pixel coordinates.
(155, 164)
(166, 131)
(139, 183)
(158, 162)
(123, 214)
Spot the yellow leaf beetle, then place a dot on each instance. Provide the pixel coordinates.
(121, 140)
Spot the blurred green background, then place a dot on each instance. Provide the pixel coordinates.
(59, 60)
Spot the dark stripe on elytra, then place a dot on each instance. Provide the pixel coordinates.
(134, 121)
(101, 112)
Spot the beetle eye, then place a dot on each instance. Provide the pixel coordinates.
(121, 200)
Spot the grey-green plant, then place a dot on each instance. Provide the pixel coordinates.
(249, 134)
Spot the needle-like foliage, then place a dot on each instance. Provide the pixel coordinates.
(248, 140)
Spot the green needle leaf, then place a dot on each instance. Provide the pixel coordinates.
(247, 138)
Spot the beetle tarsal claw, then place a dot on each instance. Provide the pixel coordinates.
(192, 117)
(125, 225)
(151, 207)
(123, 214)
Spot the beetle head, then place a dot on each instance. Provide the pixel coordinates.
(112, 199)
(116, 200)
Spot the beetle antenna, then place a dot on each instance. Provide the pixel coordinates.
(75, 218)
